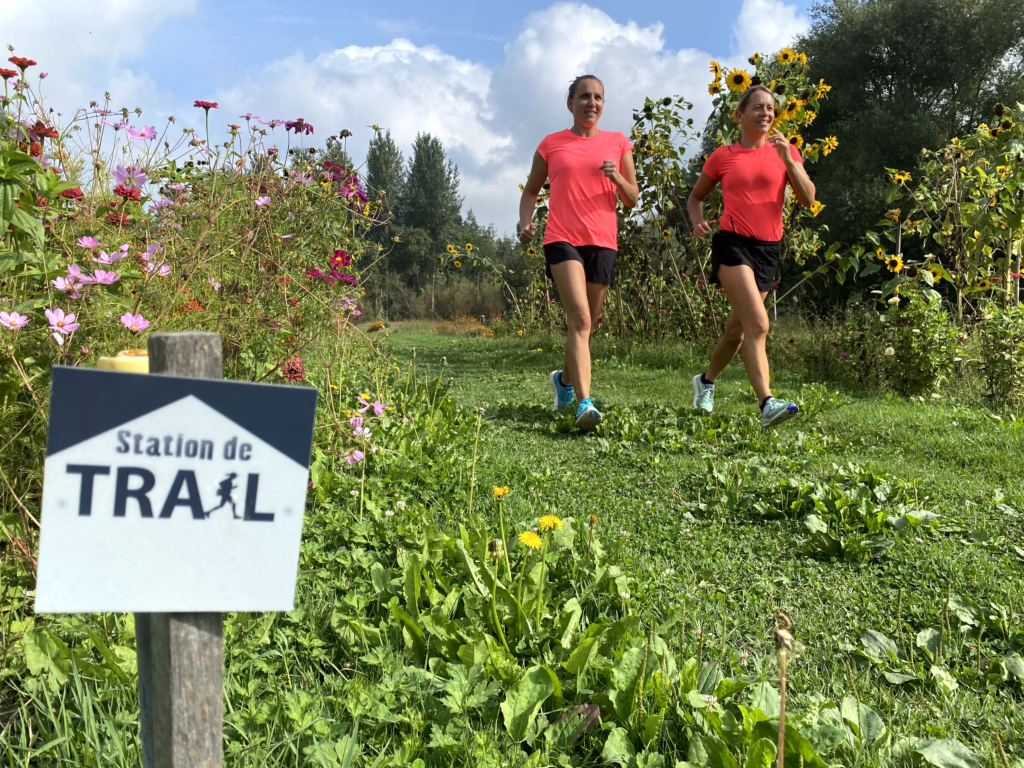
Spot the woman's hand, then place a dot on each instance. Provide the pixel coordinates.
(781, 144)
(702, 228)
(527, 232)
(611, 171)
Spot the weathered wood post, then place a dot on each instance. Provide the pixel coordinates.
(181, 655)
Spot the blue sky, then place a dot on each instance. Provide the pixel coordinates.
(488, 79)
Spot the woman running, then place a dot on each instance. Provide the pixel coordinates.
(746, 250)
(589, 170)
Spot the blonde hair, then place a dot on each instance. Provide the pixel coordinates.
(748, 94)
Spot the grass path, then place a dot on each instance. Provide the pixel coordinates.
(734, 570)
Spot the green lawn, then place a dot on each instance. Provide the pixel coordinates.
(672, 491)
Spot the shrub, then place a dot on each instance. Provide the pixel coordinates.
(463, 326)
(1001, 334)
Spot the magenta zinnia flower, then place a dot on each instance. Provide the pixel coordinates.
(207, 105)
(12, 320)
(340, 259)
(134, 322)
(293, 369)
(88, 242)
(60, 322)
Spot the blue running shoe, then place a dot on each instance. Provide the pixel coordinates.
(587, 416)
(703, 395)
(563, 393)
(776, 411)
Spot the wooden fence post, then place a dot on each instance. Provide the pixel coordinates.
(181, 655)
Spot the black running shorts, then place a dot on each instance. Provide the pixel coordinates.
(731, 250)
(598, 263)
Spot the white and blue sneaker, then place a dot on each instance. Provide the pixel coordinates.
(776, 411)
(703, 394)
(563, 392)
(587, 416)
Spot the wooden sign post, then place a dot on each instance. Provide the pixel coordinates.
(181, 655)
(176, 496)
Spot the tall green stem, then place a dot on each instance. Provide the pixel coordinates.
(540, 584)
(504, 543)
(519, 595)
(472, 474)
(494, 609)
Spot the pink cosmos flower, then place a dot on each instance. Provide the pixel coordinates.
(61, 323)
(14, 320)
(214, 283)
(118, 125)
(250, 116)
(285, 237)
(177, 187)
(134, 322)
(378, 407)
(133, 176)
(261, 201)
(101, 277)
(353, 456)
(88, 242)
(340, 259)
(271, 123)
(299, 126)
(66, 284)
(146, 132)
(109, 258)
(159, 205)
(43, 75)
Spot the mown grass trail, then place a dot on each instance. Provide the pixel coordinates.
(672, 492)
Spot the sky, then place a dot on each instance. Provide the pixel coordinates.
(488, 78)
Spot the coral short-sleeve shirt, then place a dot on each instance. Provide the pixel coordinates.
(753, 188)
(582, 206)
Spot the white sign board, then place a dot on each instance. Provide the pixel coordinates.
(165, 494)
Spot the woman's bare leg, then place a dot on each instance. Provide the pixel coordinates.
(572, 290)
(745, 330)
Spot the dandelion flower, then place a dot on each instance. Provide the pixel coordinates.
(530, 540)
(738, 80)
(500, 492)
(550, 522)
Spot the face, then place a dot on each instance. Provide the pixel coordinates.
(758, 114)
(588, 103)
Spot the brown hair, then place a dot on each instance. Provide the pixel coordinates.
(581, 78)
(748, 94)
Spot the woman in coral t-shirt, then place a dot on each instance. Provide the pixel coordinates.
(590, 170)
(746, 250)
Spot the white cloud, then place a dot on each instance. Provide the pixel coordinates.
(766, 26)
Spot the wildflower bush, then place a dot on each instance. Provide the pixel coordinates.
(1001, 336)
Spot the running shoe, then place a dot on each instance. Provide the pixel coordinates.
(703, 395)
(587, 416)
(563, 393)
(776, 411)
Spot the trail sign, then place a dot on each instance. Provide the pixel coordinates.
(165, 494)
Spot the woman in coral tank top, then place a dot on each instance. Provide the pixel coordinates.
(590, 170)
(746, 250)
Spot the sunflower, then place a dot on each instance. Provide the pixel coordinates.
(880, 253)
(738, 80)
(936, 273)
(817, 208)
(529, 539)
(500, 492)
(1002, 171)
(796, 140)
(894, 263)
(457, 263)
(900, 178)
(802, 58)
(715, 87)
(822, 89)
(550, 522)
(451, 248)
(469, 247)
(755, 59)
(809, 116)
(984, 284)
(666, 234)
(792, 107)
(786, 56)
(530, 252)
(716, 69)
(440, 260)
(829, 144)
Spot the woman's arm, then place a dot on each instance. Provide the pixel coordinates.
(528, 201)
(695, 204)
(802, 185)
(625, 180)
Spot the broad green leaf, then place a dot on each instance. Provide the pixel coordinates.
(760, 754)
(898, 678)
(688, 676)
(626, 678)
(928, 639)
(651, 734)
(797, 746)
(815, 524)
(581, 656)
(944, 680)
(765, 698)
(471, 568)
(618, 749)
(411, 582)
(523, 701)
(719, 754)
(569, 623)
(414, 636)
(709, 678)
(1014, 665)
(380, 578)
(947, 753)
(865, 721)
(877, 645)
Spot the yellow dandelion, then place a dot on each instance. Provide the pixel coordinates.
(715, 69)
(451, 248)
(737, 80)
(550, 522)
(786, 56)
(469, 246)
(817, 207)
(529, 539)
(520, 331)
(894, 263)
(829, 145)
(500, 492)
(715, 87)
